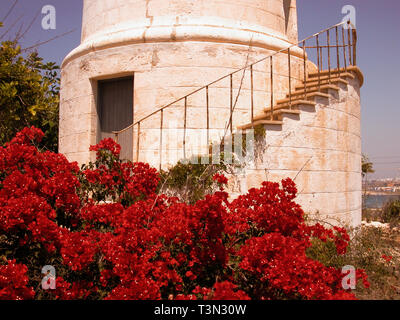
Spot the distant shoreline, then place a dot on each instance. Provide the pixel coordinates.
(380, 193)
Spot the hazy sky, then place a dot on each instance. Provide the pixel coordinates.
(378, 24)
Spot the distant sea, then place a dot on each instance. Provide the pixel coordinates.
(378, 201)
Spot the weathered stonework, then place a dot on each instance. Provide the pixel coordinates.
(321, 150)
(173, 47)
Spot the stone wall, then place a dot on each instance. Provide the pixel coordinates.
(172, 48)
(164, 72)
(321, 149)
(270, 17)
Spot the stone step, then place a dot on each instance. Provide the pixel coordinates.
(301, 92)
(334, 72)
(260, 122)
(294, 105)
(354, 71)
(280, 113)
(311, 95)
(314, 83)
(343, 75)
(277, 113)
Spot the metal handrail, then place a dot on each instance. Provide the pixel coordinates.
(352, 61)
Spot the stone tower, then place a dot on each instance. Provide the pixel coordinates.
(169, 48)
(137, 56)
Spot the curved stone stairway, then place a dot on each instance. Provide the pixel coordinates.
(314, 138)
(316, 85)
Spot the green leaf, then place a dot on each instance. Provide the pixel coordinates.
(32, 110)
(29, 94)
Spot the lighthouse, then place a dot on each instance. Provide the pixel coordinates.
(136, 56)
(167, 79)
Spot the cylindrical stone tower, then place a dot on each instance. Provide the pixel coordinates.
(138, 55)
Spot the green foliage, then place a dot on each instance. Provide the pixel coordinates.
(367, 250)
(259, 138)
(366, 166)
(191, 180)
(391, 212)
(29, 94)
(371, 214)
(259, 132)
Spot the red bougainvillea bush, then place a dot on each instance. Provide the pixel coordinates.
(110, 235)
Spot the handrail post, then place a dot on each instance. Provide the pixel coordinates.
(319, 65)
(305, 70)
(184, 129)
(344, 50)
(337, 51)
(138, 143)
(231, 107)
(208, 117)
(321, 52)
(272, 87)
(132, 142)
(252, 93)
(349, 41)
(290, 80)
(329, 55)
(161, 135)
(354, 47)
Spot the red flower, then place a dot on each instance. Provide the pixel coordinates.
(107, 227)
(14, 281)
(228, 291)
(107, 145)
(387, 258)
(221, 179)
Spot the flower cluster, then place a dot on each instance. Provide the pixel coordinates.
(14, 282)
(387, 258)
(110, 234)
(107, 145)
(109, 177)
(221, 180)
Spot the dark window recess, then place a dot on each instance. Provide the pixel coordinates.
(286, 10)
(116, 111)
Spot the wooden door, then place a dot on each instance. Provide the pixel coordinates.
(116, 112)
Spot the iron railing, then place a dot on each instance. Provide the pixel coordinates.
(344, 45)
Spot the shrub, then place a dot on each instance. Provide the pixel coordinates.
(374, 250)
(391, 212)
(110, 235)
(29, 94)
(190, 181)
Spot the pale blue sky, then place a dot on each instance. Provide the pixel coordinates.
(378, 24)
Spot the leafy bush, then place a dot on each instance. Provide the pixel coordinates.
(110, 235)
(374, 250)
(29, 94)
(191, 181)
(391, 212)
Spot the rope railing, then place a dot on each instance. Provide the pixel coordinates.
(344, 40)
